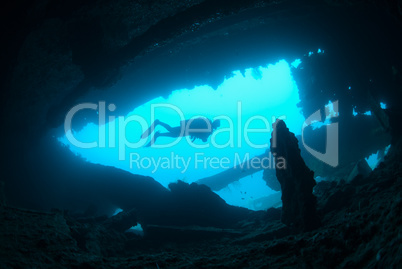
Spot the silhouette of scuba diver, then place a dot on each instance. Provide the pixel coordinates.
(200, 128)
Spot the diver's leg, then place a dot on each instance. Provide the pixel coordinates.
(153, 139)
(150, 129)
(166, 126)
(175, 133)
(172, 131)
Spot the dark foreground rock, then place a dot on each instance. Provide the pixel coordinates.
(296, 179)
(363, 232)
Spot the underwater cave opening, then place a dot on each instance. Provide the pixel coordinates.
(246, 103)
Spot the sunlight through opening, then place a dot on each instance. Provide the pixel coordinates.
(268, 92)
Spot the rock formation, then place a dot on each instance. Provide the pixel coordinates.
(296, 179)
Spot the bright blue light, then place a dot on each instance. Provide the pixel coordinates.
(367, 113)
(387, 148)
(296, 63)
(117, 211)
(327, 120)
(138, 230)
(269, 92)
(383, 105)
(374, 159)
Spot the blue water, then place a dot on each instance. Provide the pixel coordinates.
(374, 159)
(250, 99)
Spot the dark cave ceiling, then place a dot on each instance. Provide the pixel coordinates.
(61, 52)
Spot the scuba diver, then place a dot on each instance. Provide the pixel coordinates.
(198, 128)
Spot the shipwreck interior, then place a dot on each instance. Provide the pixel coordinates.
(298, 164)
